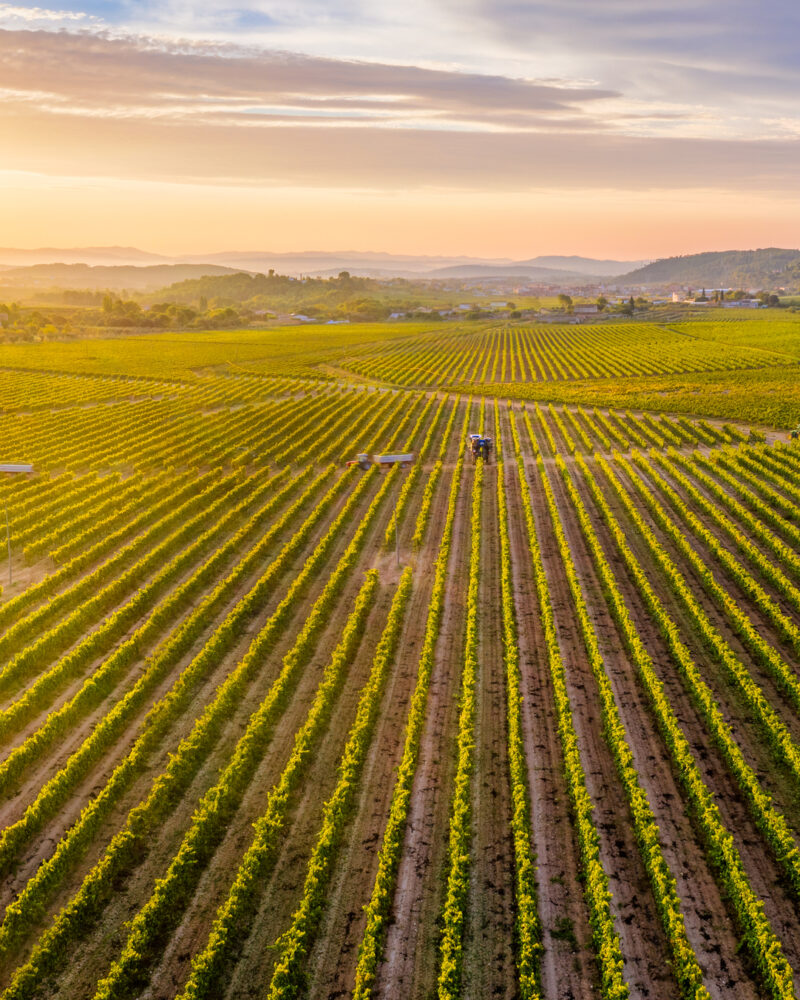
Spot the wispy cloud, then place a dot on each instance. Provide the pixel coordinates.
(99, 74)
(11, 16)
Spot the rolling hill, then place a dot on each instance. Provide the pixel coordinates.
(766, 269)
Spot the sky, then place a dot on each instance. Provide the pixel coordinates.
(609, 128)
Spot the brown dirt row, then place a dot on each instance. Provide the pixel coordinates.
(762, 870)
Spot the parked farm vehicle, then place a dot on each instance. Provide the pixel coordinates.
(364, 461)
(481, 448)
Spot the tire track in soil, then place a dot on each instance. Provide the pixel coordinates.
(765, 876)
(569, 970)
(642, 941)
(489, 967)
(703, 907)
(410, 959)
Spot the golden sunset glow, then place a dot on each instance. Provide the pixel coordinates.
(487, 130)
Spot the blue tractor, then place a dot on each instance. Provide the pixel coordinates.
(481, 448)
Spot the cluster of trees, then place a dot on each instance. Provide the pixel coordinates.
(119, 312)
(719, 295)
(113, 312)
(566, 304)
(340, 297)
(26, 324)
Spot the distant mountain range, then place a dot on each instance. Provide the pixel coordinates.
(93, 256)
(137, 270)
(312, 263)
(98, 277)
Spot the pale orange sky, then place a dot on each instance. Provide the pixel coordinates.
(173, 219)
(477, 128)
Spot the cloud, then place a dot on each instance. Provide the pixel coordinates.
(403, 160)
(707, 50)
(98, 74)
(42, 16)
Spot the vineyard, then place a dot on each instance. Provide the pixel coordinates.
(276, 727)
(547, 354)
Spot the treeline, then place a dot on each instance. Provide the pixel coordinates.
(342, 297)
(20, 323)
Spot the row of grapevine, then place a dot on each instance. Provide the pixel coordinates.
(423, 515)
(528, 924)
(416, 469)
(460, 831)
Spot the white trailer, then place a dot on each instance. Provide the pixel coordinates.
(364, 461)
